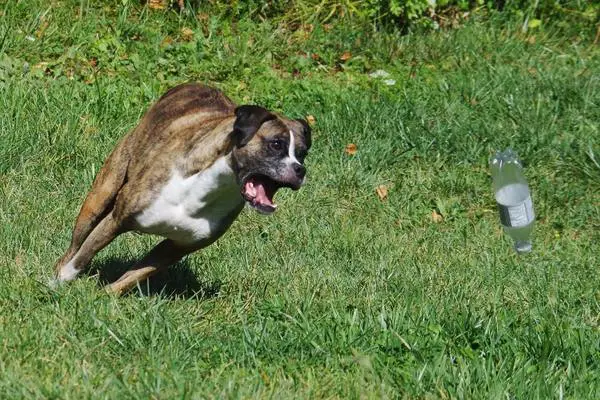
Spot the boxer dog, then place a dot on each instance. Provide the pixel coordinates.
(185, 173)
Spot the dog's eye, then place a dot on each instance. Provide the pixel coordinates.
(277, 144)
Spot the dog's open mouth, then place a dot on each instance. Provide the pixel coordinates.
(258, 190)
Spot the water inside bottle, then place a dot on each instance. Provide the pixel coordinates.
(516, 214)
(513, 194)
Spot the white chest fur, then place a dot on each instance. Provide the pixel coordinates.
(195, 208)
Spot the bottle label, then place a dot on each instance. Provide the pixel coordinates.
(517, 216)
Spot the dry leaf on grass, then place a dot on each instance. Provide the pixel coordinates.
(157, 4)
(42, 28)
(436, 217)
(311, 120)
(351, 149)
(167, 41)
(382, 192)
(187, 34)
(265, 378)
(346, 56)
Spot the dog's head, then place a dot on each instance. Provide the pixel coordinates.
(268, 154)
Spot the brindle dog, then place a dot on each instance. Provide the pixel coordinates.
(185, 173)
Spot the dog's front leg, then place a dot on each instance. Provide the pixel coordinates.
(160, 257)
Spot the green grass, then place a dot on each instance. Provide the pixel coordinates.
(338, 294)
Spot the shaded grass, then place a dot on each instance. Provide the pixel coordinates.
(339, 294)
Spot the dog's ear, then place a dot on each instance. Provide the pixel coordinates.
(247, 122)
(306, 131)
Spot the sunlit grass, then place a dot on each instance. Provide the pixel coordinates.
(339, 294)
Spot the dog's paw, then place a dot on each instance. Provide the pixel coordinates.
(54, 283)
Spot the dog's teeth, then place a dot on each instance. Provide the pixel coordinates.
(250, 189)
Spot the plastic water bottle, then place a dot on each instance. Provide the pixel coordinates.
(513, 198)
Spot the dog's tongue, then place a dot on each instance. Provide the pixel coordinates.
(261, 194)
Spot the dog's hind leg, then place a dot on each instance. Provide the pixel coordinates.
(104, 232)
(99, 201)
(160, 257)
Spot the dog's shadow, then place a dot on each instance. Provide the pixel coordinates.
(179, 281)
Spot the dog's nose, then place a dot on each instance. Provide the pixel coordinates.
(299, 170)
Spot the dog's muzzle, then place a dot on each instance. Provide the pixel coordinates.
(258, 189)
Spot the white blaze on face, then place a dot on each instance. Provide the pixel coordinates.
(291, 158)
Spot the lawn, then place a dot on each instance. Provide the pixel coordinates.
(343, 293)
